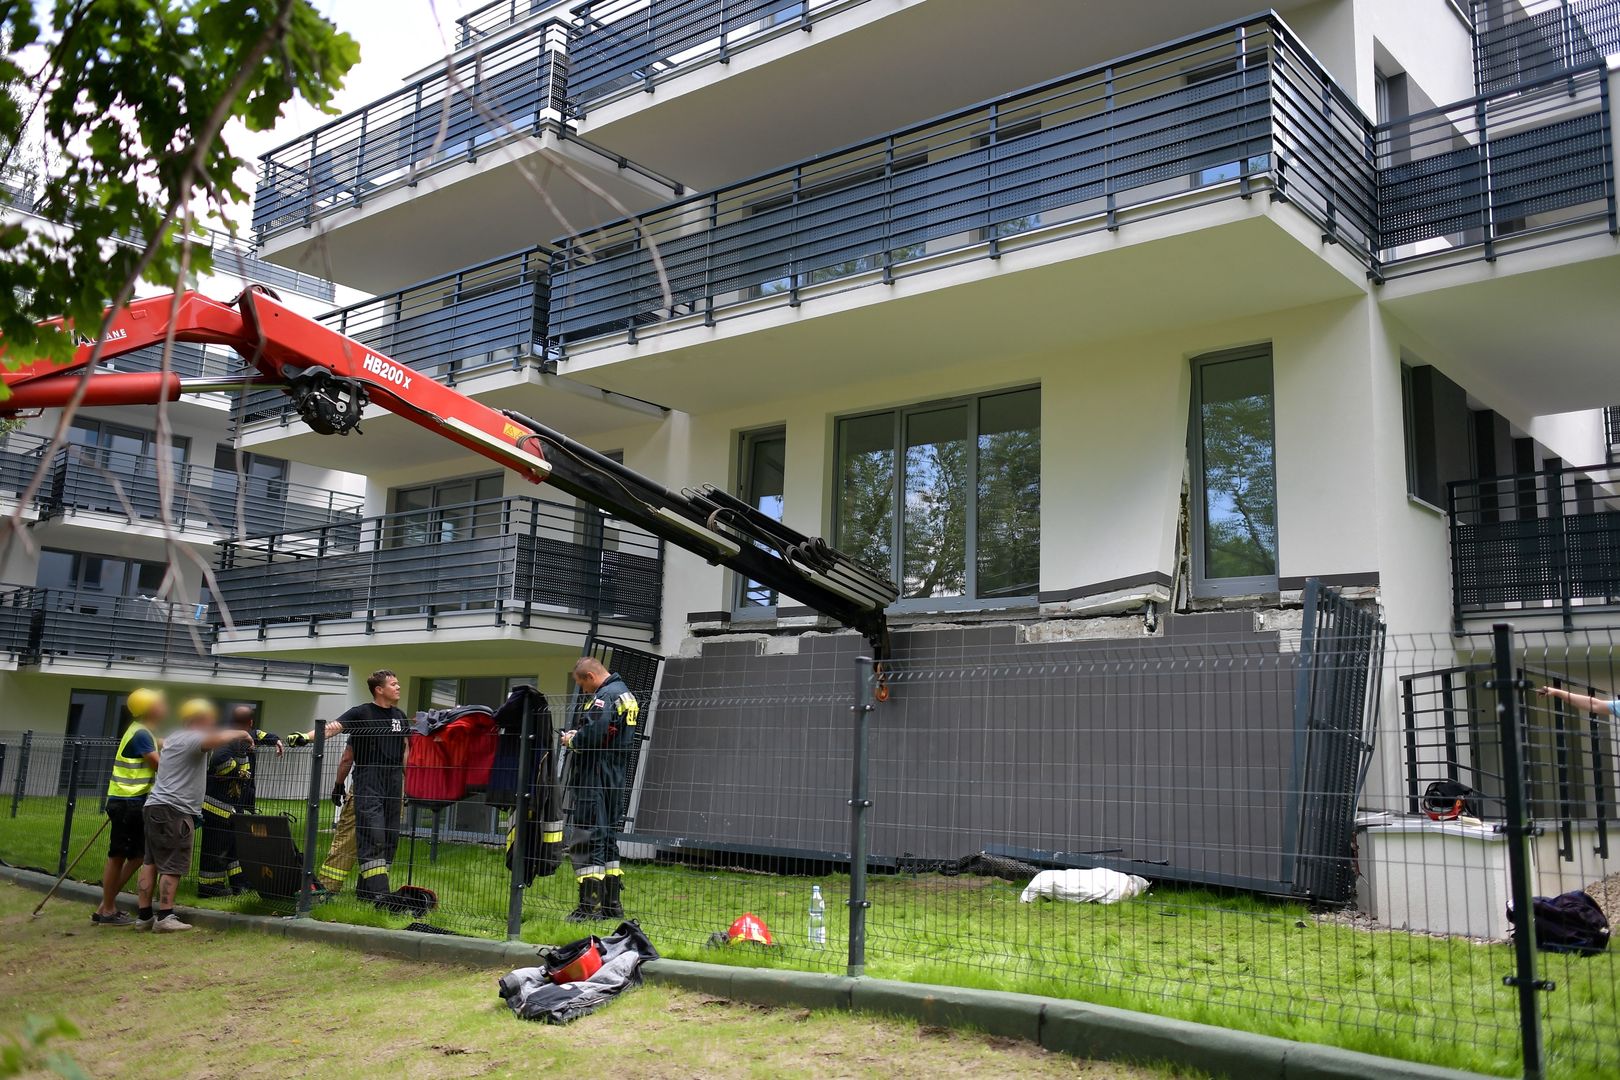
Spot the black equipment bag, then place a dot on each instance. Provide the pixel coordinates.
(1447, 800)
(272, 865)
(1571, 922)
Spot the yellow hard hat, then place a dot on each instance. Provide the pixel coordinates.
(142, 701)
(196, 707)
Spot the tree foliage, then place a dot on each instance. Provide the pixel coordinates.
(130, 98)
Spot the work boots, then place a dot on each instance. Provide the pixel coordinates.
(613, 897)
(590, 901)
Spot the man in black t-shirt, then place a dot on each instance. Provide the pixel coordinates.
(377, 734)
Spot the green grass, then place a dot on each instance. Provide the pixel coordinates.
(210, 1004)
(1226, 959)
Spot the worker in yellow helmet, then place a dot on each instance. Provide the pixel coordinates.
(134, 768)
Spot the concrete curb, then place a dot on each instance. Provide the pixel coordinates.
(1097, 1032)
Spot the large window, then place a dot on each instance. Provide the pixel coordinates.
(761, 483)
(99, 580)
(118, 439)
(1234, 470)
(444, 511)
(946, 497)
(1439, 427)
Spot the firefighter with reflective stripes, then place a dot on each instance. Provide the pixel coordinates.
(134, 768)
(340, 856)
(230, 790)
(377, 733)
(600, 750)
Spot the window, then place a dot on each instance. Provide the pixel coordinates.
(118, 439)
(1004, 159)
(447, 510)
(945, 497)
(1233, 452)
(1221, 111)
(263, 473)
(100, 581)
(1439, 428)
(761, 484)
(825, 217)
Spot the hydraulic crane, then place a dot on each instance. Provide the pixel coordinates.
(332, 378)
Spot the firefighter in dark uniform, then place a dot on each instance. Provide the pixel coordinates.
(377, 734)
(229, 791)
(600, 750)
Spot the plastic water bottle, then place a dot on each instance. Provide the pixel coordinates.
(818, 918)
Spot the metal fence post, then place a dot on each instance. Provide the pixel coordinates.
(520, 827)
(1519, 830)
(312, 811)
(858, 805)
(72, 801)
(22, 771)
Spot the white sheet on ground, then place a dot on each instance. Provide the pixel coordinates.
(1095, 886)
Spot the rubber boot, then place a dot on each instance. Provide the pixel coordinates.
(590, 901)
(613, 897)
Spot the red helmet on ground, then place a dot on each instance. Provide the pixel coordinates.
(750, 927)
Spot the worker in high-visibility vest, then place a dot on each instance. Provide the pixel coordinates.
(134, 768)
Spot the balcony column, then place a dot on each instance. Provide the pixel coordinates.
(553, 60)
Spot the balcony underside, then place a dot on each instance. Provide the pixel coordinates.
(222, 672)
(870, 68)
(1207, 264)
(461, 214)
(1539, 326)
(409, 642)
(385, 440)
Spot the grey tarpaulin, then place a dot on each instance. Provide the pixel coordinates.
(532, 996)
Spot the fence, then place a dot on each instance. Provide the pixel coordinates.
(1527, 41)
(1268, 775)
(1543, 545)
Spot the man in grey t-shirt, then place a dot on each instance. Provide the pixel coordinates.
(172, 807)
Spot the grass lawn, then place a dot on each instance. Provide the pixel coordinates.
(209, 1004)
(1231, 960)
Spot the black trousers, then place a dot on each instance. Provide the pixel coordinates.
(217, 865)
(377, 794)
(597, 795)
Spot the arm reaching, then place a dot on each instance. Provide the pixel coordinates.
(213, 740)
(1584, 702)
(304, 738)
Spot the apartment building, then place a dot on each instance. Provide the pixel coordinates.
(1087, 321)
(85, 612)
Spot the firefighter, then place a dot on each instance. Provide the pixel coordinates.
(135, 763)
(340, 857)
(230, 791)
(377, 734)
(600, 751)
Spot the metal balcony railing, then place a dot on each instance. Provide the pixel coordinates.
(1611, 428)
(1536, 544)
(504, 562)
(483, 23)
(1210, 117)
(1452, 733)
(492, 315)
(1525, 42)
(483, 99)
(614, 44)
(18, 187)
(39, 623)
(126, 485)
(1459, 182)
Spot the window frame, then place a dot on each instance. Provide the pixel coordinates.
(746, 441)
(1204, 586)
(969, 600)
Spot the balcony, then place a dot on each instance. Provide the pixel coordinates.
(1537, 547)
(1530, 41)
(483, 24)
(502, 102)
(56, 628)
(124, 487)
(516, 570)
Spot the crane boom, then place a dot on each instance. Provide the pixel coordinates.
(332, 379)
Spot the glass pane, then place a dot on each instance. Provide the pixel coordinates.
(1238, 456)
(1008, 548)
(439, 693)
(865, 511)
(936, 491)
(414, 525)
(55, 570)
(764, 484)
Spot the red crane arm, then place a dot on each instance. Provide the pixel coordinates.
(331, 378)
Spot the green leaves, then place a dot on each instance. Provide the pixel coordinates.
(27, 1052)
(134, 95)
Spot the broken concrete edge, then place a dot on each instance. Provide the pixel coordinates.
(1093, 1032)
